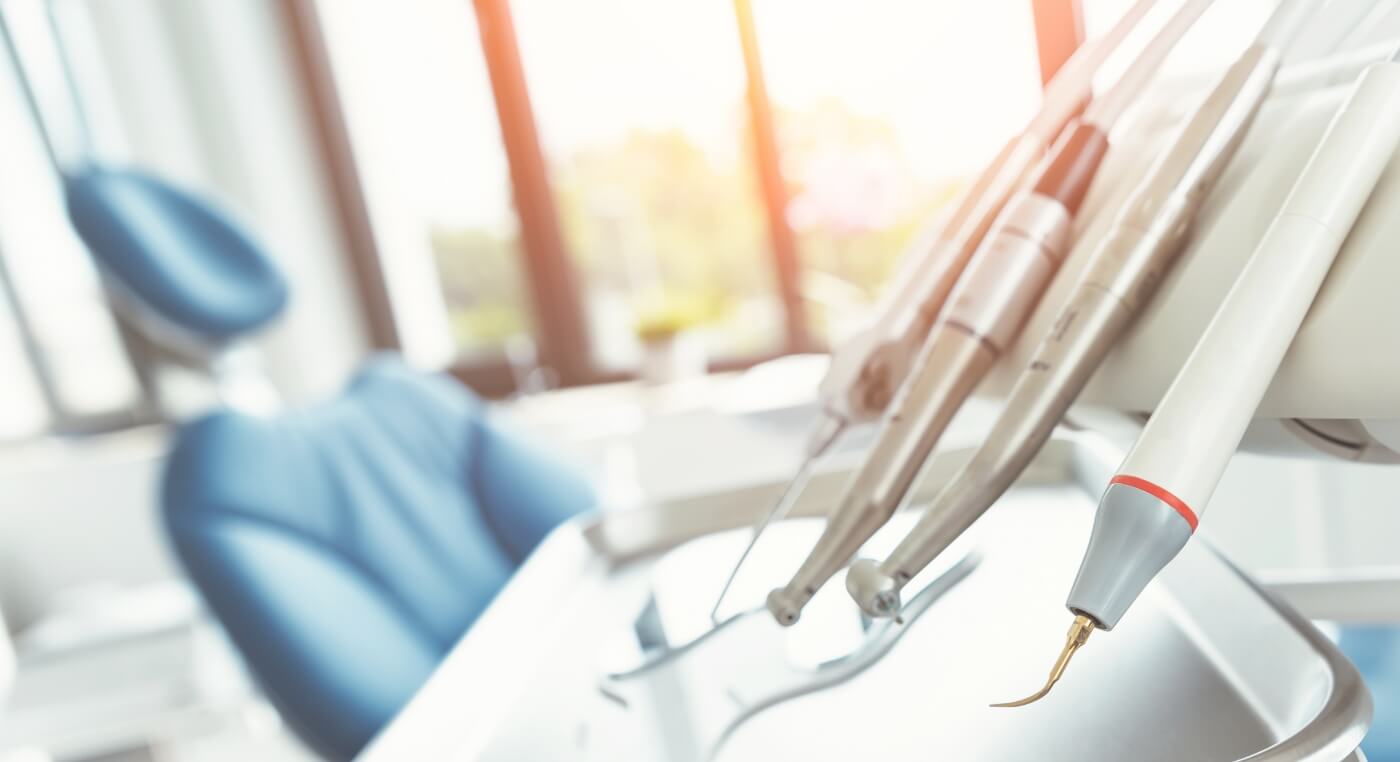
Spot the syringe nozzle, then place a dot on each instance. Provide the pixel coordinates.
(1079, 633)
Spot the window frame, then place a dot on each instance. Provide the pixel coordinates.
(61, 419)
(551, 277)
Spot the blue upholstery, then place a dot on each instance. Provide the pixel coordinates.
(178, 254)
(348, 546)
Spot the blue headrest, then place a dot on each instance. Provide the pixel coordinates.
(179, 255)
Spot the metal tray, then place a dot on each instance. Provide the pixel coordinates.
(1208, 666)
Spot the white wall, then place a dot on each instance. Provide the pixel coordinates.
(1274, 512)
(208, 96)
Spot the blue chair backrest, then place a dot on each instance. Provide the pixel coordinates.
(348, 546)
(179, 255)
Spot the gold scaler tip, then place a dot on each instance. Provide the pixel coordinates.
(1079, 633)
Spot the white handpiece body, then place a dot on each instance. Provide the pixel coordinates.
(1152, 505)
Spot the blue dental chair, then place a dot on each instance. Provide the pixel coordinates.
(345, 547)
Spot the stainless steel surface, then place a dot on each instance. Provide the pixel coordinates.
(791, 680)
(1122, 275)
(1340, 724)
(951, 365)
(1213, 669)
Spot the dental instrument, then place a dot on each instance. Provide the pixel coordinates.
(1152, 505)
(867, 369)
(991, 302)
(1122, 275)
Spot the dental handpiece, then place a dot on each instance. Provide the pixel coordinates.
(867, 369)
(1123, 272)
(1152, 505)
(988, 307)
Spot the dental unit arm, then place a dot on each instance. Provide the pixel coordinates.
(1151, 507)
(996, 293)
(1126, 266)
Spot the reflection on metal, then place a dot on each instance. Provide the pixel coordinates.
(880, 637)
(668, 655)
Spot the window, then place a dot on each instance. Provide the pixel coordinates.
(880, 122)
(421, 118)
(582, 175)
(643, 120)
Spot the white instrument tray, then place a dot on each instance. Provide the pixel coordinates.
(1206, 667)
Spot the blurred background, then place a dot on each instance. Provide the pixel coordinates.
(599, 213)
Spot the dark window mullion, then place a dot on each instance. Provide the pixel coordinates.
(333, 138)
(555, 295)
(773, 188)
(1059, 29)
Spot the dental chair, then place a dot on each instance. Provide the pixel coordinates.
(345, 547)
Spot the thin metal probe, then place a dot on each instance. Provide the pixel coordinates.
(1079, 633)
(674, 653)
(827, 438)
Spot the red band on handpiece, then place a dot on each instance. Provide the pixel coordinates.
(1160, 493)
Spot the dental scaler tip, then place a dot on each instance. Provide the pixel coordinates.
(1079, 633)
